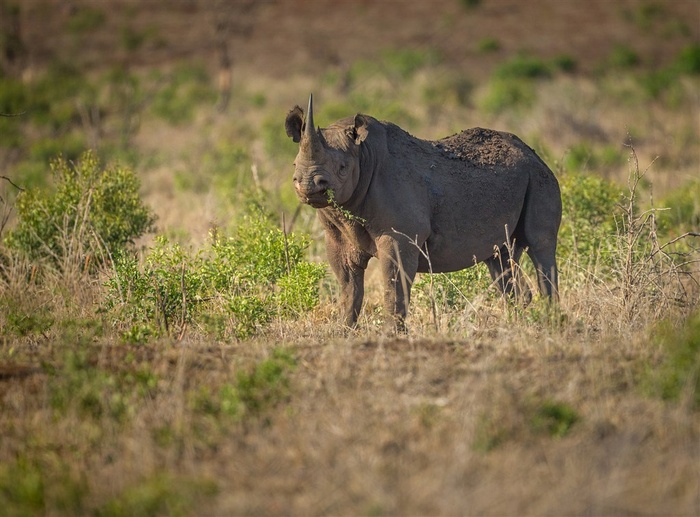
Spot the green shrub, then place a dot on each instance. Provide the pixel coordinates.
(52, 97)
(81, 387)
(448, 88)
(623, 57)
(688, 60)
(89, 209)
(451, 290)
(508, 94)
(237, 283)
(36, 483)
(647, 14)
(69, 146)
(13, 101)
(488, 44)
(553, 418)
(85, 19)
(255, 390)
(678, 376)
(588, 233)
(160, 494)
(25, 321)
(22, 488)
(514, 417)
(470, 4)
(187, 88)
(404, 63)
(267, 384)
(565, 63)
(395, 65)
(523, 66)
(583, 157)
(683, 212)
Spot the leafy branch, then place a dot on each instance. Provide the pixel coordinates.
(343, 211)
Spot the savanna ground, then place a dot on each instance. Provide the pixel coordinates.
(168, 330)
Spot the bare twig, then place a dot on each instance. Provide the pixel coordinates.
(12, 183)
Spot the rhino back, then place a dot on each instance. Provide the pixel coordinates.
(458, 193)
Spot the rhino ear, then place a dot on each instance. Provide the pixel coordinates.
(361, 128)
(294, 123)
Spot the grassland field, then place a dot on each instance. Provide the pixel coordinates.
(169, 330)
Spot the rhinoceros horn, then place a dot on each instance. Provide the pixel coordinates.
(311, 140)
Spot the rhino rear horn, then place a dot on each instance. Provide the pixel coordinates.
(294, 123)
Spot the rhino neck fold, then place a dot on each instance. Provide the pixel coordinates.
(368, 169)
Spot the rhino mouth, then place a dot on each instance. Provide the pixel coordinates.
(319, 200)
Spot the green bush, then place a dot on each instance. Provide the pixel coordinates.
(255, 390)
(587, 235)
(52, 97)
(85, 19)
(622, 57)
(159, 494)
(683, 212)
(79, 386)
(22, 488)
(451, 290)
(553, 418)
(13, 101)
(516, 417)
(188, 87)
(89, 209)
(508, 94)
(395, 65)
(235, 286)
(452, 88)
(267, 383)
(404, 63)
(584, 157)
(523, 66)
(678, 375)
(688, 60)
(470, 4)
(565, 63)
(488, 44)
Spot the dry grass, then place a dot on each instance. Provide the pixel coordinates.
(366, 424)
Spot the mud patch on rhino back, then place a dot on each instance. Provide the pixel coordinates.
(482, 147)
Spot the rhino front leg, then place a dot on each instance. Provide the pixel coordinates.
(352, 284)
(349, 266)
(398, 261)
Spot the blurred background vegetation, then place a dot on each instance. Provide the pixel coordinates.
(192, 94)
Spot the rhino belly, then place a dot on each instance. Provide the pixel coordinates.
(464, 239)
(458, 253)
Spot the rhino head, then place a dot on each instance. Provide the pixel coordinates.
(327, 165)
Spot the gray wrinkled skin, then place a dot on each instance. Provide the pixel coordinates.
(454, 198)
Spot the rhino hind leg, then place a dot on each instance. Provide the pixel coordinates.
(546, 268)
(503, 267)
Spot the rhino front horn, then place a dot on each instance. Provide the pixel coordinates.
(309, 130)
(311, 141)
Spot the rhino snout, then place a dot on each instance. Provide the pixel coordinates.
(316, 186)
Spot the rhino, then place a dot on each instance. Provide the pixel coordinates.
(424, 206)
